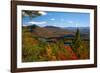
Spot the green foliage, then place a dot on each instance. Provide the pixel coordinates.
(34, 49)
(31, 14)
(77, 41)
(80, 47)
(83, 51)
(42, 51)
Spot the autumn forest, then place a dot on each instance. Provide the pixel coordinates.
(53, 40)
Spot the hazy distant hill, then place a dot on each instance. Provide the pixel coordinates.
(52, 31)
(84, 31)
(47, 31)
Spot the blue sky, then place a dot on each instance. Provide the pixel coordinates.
(59, 19)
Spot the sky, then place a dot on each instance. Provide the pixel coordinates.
(58, 19)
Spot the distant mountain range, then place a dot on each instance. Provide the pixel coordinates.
(52, 31)
(47, 31)
(82, 29)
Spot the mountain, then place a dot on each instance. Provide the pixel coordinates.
(52, 31)
(84, 31)
(52, 27)
(47, 31)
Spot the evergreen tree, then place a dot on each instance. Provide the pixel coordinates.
(31, 14)
(76, 43)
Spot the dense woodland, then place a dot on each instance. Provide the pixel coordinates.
(35, 48)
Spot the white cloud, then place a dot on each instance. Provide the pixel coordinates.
(52, 19)
(42, 12)
(33, 22)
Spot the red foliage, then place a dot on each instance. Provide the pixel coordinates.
(72, 54)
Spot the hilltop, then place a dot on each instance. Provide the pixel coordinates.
(47, 31)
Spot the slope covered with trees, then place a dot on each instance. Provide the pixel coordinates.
(36, 49)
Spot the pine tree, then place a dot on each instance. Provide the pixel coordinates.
(76, 43)
(31, 14)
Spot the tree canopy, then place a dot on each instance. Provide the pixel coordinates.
(31, 14)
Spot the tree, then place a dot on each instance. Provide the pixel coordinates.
(31, 14)
(76, 43)
(31, 27)
(79, 46)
